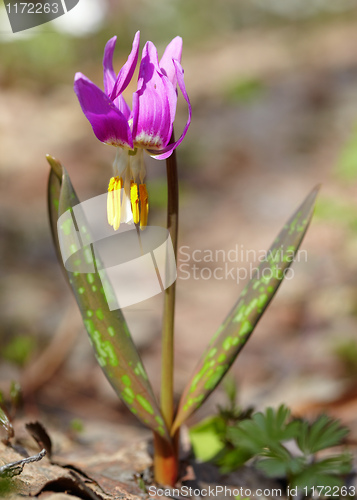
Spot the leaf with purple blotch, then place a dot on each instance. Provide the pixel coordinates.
(241, 321)
(107, 329)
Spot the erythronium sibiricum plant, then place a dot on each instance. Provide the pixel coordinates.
(149, 126)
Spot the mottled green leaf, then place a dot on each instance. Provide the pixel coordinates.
(107, 330)
(240, 322)
(6, 424)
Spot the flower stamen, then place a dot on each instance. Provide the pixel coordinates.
(127, 194)
(144, 205)
(113, 202)
(134, 198)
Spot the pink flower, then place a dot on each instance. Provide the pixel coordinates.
(149, 124)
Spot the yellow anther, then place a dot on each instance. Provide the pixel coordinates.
(113, 202)
(110, 201)
(134, 198)
(144, 202)
(111, 184)
(118, 183)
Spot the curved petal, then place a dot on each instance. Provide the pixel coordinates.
(154, 103)
(108, 123)
(166, 152)
(172, 51)
(109, 75)
(127, 71)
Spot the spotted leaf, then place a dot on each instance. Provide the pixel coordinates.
(107, 329)
(240, 322)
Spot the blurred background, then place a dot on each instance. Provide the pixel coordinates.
(273, 86)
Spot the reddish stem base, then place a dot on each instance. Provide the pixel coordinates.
(166, 464)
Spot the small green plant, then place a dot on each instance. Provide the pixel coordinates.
(280, 446)
(346, 352)
(209, 437)
(7, 486)
(19, 349)
(76, 425)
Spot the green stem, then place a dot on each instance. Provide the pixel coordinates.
(167, 367)
(166, 465)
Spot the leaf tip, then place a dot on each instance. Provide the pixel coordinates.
(55, 165)
(317, 189)
(314, 192)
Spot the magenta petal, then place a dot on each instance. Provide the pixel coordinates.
(108, 123)
(127, 71)
(172, 51)
(154, 103)
(121, 104)
(166, 152)
(109, 75)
